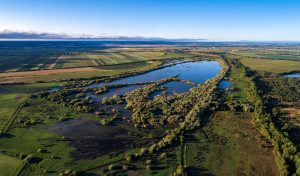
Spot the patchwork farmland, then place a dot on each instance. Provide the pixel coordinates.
(41, 59)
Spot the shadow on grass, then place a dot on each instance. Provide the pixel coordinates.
(88, 174)
(194, 171)
(6, 135)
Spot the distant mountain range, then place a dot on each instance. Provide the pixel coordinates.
(33, 35)
(30, 35)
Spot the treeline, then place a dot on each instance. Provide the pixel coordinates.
(288, 158)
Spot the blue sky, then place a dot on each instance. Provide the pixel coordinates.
(207, 19)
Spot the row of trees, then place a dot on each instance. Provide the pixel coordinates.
(115, 99)
(285, 89)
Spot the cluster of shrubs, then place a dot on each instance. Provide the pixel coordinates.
(144, 109)
(100, 90)
(179, 171)
(129, 158)
(108, 120)
(69, 172)
(75, 98)
(115, 99)
(285, 89)
(236, 105)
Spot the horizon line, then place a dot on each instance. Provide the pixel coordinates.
(11, 35)
(132, 39)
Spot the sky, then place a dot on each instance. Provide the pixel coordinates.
(257, 20)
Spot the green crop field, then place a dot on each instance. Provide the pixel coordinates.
(276, 66)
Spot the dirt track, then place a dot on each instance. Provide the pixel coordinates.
(54, 63)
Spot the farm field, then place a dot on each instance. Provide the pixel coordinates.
(275, 66)
(104, 58)
(100, 109)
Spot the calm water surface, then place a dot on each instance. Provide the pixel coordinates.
(225, 84)
(114, 91)
(294, 75)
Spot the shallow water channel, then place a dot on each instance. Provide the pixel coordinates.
(293, 75)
